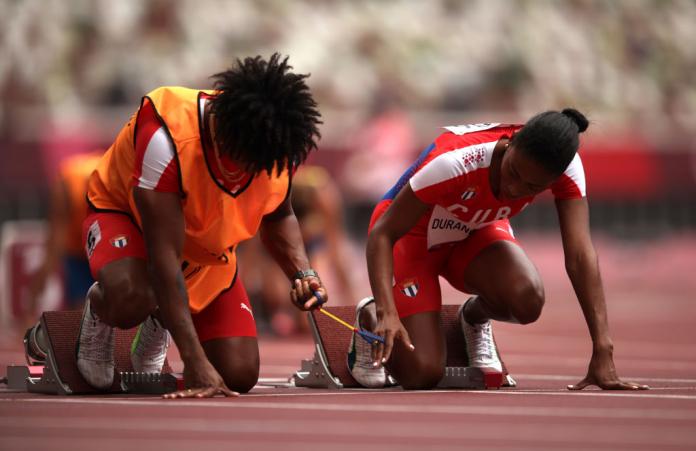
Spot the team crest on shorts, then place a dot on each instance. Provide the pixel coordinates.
(409, 287)
(120, 241)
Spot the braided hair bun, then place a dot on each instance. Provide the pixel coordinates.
(551, 138)
(577, 117)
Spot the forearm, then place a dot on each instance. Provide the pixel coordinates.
(584, 274)
(283, 240)
(380, 267)
(172, 300)
(163, 230)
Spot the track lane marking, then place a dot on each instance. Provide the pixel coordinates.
(230, 403)
(560, 377)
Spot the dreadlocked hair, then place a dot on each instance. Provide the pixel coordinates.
(265, 115)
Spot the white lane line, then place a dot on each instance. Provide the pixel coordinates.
(516, 391)
(555, 377)
(645, 363)
(597, 392)
(272, 380)
(530, 392)
(308, 392)
(595, 389)
(645, 347)
(538, 377)
(559, 377)
(415, 408)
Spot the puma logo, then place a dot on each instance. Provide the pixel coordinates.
(246, 307)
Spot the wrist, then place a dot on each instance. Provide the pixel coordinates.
(192, 357)
(602, 346)
(303, 273)
(386, 311)
(190, 349)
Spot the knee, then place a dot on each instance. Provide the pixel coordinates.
(423, 375)
(127, 302)
(527, 301)
(241, 378)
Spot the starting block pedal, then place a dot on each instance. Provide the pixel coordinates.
(59, 374)
(19, 375)
(328, 367)
(471, 377)
(315, 372)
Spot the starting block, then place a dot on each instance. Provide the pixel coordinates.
(59, 374)
(328, 368)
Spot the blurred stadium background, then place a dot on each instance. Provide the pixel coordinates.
(386, 75)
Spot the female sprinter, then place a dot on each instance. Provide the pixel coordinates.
(448, 216)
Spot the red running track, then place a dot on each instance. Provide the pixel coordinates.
(651, 312)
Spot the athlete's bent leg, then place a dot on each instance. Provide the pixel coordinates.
(508, 286)
(424, 367)
(236, 359)
(123, 297)
(227, 332)
(418, 300)
(491, 264)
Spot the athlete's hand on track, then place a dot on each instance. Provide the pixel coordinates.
(602, 373)
(203, 381)
(391, 328)
(302, 293)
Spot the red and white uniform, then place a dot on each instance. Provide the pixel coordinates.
(452, 175)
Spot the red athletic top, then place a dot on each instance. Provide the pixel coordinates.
(452, 175)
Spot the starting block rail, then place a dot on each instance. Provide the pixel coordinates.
(151, 383)
(328, 368)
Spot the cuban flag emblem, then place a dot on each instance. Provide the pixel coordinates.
(469, 194)
(120, 241)
(410, 288)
